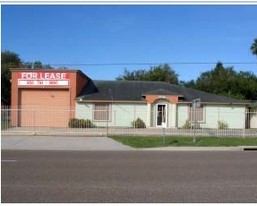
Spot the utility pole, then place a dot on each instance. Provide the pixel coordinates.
(196, 103)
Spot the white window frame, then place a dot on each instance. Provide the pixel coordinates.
(108, 112)
(166, 115)
(190, 108)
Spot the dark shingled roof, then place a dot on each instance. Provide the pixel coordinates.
(101, 90)
(161, 92)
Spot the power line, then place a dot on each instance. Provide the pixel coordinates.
(148, 63)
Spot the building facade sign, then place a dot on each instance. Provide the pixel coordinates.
(43, 79)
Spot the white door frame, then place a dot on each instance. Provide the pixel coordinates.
(164, 124)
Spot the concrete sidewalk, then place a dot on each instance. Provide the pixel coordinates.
(60, 143)
(30, 142)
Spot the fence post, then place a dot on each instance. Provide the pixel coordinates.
(196, 103)
(163, 135)
(194, 122)
(134, 120)
(17, 115)
(34, 121)
(194, 112)
(107, 119)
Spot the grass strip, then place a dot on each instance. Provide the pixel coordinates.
(159, 141)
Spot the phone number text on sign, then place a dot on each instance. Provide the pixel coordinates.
(43, 83)
(43, 79)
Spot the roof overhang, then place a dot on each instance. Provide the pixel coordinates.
(109, 101)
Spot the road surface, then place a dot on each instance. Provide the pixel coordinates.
(129, 176)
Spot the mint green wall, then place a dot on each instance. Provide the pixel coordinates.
(234, 116)
(170, 116)
(253, 120)
(121, 114)
(124, 114)
(84, 111)
(182, 114)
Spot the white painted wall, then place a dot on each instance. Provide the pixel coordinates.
(253, 120)
(124, 113)
(234, 116)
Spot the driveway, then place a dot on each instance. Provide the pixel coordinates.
(60, 143)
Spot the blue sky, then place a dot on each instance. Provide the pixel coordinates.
(101, 34)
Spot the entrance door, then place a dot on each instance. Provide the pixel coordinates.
(161, 115)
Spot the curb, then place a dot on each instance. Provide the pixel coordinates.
(248, 148)
(211, 149)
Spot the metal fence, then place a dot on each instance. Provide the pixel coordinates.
(128, 122)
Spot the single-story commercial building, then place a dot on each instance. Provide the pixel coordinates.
(45, 97)
(71, 94)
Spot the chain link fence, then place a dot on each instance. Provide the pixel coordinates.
(102, 122)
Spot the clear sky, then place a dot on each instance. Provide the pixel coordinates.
(106, 34)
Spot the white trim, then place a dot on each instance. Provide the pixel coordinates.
(148, 115)
(166, 115)
(109, 113)
(189, 111)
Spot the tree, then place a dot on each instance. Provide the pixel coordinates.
(247, 85)
(137, 75)
(220, 80)
(254, 47)
(162, 73)
(8, 60)
(38, 65)
(227, 82)
(28, 65)
(12, 60)
(191, 83)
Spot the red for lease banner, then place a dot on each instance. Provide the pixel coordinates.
(43, 78)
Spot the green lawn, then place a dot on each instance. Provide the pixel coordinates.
(147, 142)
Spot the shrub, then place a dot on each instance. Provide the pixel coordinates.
(88, 124)
(187, 125)
(5, 124)
(80, 123)
(222, 125)
(138, 123)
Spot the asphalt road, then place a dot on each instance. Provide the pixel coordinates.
(129, 176)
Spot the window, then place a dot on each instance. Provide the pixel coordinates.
(101, 112)
(199, 115)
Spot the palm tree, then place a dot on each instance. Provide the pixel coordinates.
(254, 47)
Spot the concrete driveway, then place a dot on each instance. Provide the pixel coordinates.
(60, 143)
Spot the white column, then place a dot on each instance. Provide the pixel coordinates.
(148, 115)
(174, 115)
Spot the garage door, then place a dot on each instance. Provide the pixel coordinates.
(44, 107)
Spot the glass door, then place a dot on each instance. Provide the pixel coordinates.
(161, 115)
